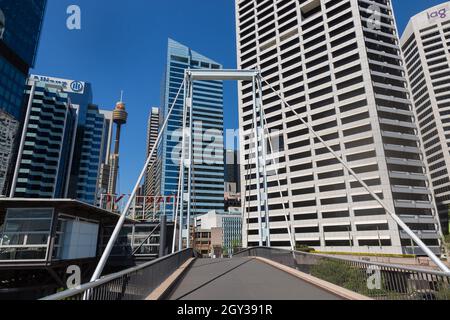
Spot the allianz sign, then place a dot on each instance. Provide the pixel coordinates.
(441, 13)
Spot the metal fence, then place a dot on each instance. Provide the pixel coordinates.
(375, 280)
(133, 284)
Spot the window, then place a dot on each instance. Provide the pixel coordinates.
(77, 239)
(26, 234)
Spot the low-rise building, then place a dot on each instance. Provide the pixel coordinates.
(221, 230)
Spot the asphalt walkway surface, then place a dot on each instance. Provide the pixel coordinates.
(243, 279)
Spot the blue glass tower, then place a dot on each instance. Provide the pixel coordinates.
(88, 158)
(84, 150)
(45, 151)
(208, 168)
(20, 27)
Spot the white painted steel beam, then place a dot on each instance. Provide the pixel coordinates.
(224, 75)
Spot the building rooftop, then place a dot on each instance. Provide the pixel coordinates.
(68, 206)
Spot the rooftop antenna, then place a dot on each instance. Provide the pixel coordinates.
(121, 95)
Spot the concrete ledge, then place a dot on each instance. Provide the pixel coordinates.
(159, 292)
(332, 288)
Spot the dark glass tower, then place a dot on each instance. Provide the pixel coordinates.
(20, 27)
(44, 157)
(67, 146)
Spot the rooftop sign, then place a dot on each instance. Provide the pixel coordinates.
(440, 13)
(69, 86)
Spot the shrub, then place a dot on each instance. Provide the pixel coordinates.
(345, 276)
(304, 249)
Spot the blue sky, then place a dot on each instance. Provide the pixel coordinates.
(123, 47)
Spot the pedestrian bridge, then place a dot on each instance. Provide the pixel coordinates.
(243, 279)
(264, 274)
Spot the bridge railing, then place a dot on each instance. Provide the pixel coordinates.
(136, 283)
(375, 280)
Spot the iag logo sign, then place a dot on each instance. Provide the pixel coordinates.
(441, 13)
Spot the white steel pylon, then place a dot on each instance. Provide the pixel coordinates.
(187, 145)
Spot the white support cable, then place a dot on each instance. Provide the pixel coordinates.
(394, 216)
(118, 228)
(189, 108)
(175, 208)
(249, 174)
(258, 169)
(177, 205)
(288, 224)
(182, 168)
(260, 108)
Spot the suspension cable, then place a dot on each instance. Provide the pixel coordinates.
(248, 186)
(115, 234)
(286, 212)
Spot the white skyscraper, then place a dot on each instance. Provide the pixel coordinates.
(426, 49)
(338, 64)
(151, 179)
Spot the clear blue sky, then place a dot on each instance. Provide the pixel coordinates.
(122, 45)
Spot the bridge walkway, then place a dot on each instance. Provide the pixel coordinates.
(243, 279)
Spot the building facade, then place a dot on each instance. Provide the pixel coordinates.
(81, 143)
(208, 168)
(151, 178)
(341, 70)
(46, 148)
(20, 27)
(105, 168)
(232, 196)
(90, 146)
(226, 227)
(426, 47)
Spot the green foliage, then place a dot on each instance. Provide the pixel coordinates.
(225, 251)
(355, 279)
(304, 248)
(236, 243)
(443, 292)
(345, 276)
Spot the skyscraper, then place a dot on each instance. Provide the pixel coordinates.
(77, 151)
(93, 130)
(208, 168)
(426, 47)
(46, 148)
(232, 196)
(232, 172)
(338, 64)
(151, 178)
(20, 26)
(105, 168)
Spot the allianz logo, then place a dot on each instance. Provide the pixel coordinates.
(76, 86)
(441, 13)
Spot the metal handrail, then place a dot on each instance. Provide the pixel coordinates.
(379, 264)
(109, 278)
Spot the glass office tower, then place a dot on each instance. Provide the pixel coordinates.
(20, 25)
(84, 150)
(208, 169)
(46, 145)
(88, 158)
